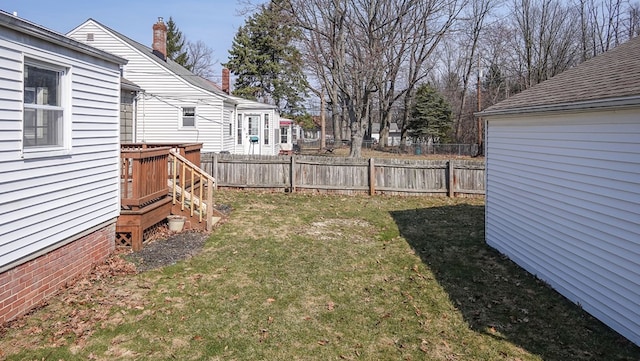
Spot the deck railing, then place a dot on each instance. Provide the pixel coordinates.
(144, 173)
(191, 151)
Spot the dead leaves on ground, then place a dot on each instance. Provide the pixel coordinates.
(80, 307)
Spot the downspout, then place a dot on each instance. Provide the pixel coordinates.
(143, 117)
(234, 121)
(134, 119)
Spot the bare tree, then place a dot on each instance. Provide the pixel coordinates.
(420, 33)
(605, 24)
(371, 51)
(201, 59)
(472, 28)
(632, 22)
(545, 39)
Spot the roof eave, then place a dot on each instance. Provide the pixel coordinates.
(563, 107)
(39, 32)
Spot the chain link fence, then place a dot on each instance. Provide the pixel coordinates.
(470, 150)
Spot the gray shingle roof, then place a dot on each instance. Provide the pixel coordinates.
(614, 75)
(129, 85)
(169, 64)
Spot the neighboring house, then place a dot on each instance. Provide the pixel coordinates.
(59, 161)
(257, 128)
(563, 184)
(394, 133)
(175, 105)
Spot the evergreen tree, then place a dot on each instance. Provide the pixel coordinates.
(176, 45)
(431, 116)
(265, 61)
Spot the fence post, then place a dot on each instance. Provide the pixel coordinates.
(372, 177)
(292, 173)
(210, 185)
(452, 182)
(214, 171)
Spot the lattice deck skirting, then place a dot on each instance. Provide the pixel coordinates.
(132, 225)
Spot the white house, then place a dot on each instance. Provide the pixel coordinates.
(177, 106)
(563, 184)
(257, 128)
(59, 161)
(394, 136)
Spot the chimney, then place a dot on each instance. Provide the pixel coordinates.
(160, 39)
(225, 80)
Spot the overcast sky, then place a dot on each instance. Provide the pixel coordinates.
(215, 21)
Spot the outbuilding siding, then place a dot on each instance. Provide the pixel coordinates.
(563, 201)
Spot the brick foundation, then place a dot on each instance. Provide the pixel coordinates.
(26, 285)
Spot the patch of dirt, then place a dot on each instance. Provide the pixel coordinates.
(168, 251)
(332, 229)
(166, 248)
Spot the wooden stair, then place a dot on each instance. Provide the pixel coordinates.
(158, 180)
(191, 191)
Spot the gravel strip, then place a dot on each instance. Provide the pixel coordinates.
(168, 251)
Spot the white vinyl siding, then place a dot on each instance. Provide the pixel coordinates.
(563, 201)
(159, 106)
(229, 138)
(10, 102)
(49, 199)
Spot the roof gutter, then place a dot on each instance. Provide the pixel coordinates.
(15, 23)
(564, 107)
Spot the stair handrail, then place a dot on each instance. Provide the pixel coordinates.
(207, 206)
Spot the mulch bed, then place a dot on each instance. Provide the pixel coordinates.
(166, 248)
(168, 251)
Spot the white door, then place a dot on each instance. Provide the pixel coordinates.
(252, 139)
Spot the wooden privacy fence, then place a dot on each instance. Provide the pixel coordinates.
(347, 175)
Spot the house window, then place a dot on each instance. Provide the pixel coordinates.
(43, 123)
(254, 125)
(239, 129)
(284, 135)
(188, 116)
(266, 129)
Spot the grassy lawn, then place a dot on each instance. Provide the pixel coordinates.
(313, 277)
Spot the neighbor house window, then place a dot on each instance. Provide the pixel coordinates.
(266, 129)
(254, 125)
(43, 125)
(284, 133)
(188, 116)
(239, 129)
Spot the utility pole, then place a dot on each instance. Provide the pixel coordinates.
(323, 135)
(479, 96)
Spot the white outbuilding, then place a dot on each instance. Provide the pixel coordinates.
(563, 184)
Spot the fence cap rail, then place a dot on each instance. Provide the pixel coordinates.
(194, 167)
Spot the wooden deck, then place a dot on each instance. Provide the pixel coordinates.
(147, 171)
